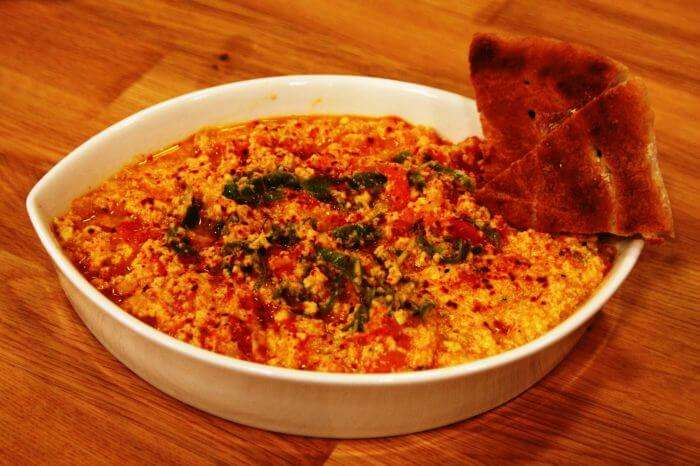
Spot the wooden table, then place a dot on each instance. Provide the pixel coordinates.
(628, 392)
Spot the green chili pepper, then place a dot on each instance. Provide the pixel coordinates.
(356, 235)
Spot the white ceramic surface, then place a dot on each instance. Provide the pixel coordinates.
(286, 400)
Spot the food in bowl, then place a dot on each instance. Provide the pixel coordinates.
(328, 243)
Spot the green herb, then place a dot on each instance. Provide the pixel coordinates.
(350, 268)
(283, 236)
(292, 293)
(366, 180)
(361, 314)
(438, 167)
(463, 179)
(359, 318)
(356, 235)
(261, 189)
(257, 261)
(459, 176)
(235, 246)
(192, 215)
(401, 156)
(425, 245)
(459, 253)
(267, 188)
(278, 179)
(337, 287)
(367, 294)
(319, 188)
(416, 180)
(325, 308)
(250, 195)
(261, 268)
(492, 235)
(183, 247)
(459, 249)
(180, 244)
(343, 262)
(423, 309)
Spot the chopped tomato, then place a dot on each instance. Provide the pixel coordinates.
(470, 278)
(466, 231)
(283, 261)
(390, 361)
(240, 333)
(403, 224)
(264, 313)
(331, 219)
(305, 348)
(500, 328)
(217, 152)
(392, 328)
(303, 198)
(248, 301)
(431, 222)
(386, 327)
(397, 190)
(161, 270)
(136, 233)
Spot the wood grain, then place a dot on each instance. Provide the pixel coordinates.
(627, 393)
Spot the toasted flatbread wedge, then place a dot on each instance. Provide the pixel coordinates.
(526, 86)
(596, 172)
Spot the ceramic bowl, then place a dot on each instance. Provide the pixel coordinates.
(278, 399)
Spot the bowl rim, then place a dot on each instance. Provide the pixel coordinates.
(621, 267)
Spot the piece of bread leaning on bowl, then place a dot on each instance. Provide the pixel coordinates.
(570, 140)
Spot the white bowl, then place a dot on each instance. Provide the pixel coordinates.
(287, 400)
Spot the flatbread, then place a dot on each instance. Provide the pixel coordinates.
(526, 86)
(597, 172)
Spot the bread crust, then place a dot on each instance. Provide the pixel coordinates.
(526, 86)
(596, 172)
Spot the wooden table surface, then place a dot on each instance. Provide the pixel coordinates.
(629, 392)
